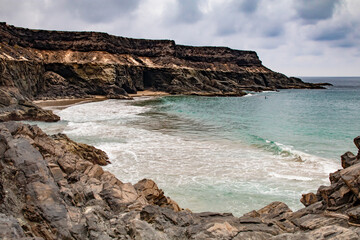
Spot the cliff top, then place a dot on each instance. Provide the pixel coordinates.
(98, 41)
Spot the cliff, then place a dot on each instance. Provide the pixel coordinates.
(39, 64)
(54, 188)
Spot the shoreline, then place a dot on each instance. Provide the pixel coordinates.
(62, 103)
(149, 93)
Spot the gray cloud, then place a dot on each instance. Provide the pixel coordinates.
(313, 11)
(188, 11)
(95, 11)
(248, 6)
(331, 34)
(274, 31)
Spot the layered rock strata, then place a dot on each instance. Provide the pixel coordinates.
(52, 64)
(54, 188)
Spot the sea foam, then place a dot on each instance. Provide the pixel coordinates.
(200, 173)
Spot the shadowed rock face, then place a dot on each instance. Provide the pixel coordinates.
(90, 63)
(54, 188)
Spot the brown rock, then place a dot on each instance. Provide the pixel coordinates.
(327, 232)
(350, 176)
(348, 159)
(354, 215)
(14, 106)
(222, 230)
(84, 151)
(315, 221)
(149, 190)
(275, 210)
(95, 171)
(308, 199)
(253, 236)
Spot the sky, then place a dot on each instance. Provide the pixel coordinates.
(295, 37)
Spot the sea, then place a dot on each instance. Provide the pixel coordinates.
(224, 154)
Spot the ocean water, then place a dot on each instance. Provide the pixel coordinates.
(224, 154)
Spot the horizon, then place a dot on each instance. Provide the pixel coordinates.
(297, 38)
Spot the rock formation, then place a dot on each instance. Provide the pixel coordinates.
(42, 64)
(54, 188)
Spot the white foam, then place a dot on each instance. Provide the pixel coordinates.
(100, 111)
(214, 170)
(291, 177)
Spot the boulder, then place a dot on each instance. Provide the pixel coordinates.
(14, 106)
(149, 190)
(308, 199)
(348, 159)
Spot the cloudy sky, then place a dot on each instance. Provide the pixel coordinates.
(295, 37)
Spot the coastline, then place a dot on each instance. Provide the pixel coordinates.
(149, 93)
(62, 103)
(53, 187)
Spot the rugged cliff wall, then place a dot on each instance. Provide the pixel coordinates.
(91, 58)
(39, 64)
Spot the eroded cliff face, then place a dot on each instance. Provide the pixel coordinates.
(48, 64)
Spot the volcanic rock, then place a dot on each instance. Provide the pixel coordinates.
(54, 188)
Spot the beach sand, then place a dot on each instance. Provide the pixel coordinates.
(64, 103)
(149, 93)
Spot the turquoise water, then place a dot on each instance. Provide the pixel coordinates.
(224, 154)
(320, 122)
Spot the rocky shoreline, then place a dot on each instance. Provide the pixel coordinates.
(54, 188)
(41, 65)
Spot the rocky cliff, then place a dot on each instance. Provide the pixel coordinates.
(54, 188)
(39, 64)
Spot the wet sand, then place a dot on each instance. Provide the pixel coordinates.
(64, 103)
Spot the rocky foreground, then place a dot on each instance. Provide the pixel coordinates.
(40, 64)
(54, 188)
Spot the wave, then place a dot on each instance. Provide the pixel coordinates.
(291, 177)
(167, 150)
(289, 154)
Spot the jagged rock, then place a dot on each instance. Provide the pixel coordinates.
(52, 188)
(148, 189)
(56, 198)
(84, 151)
(348, 159)
(11, 229)
(308, 199)
(14, 106)
(314, 221)
(143, 231)
(327, 232)
(253, 236)
(354, 215)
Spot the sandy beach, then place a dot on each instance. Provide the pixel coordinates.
(64, 103)
(149, 93)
